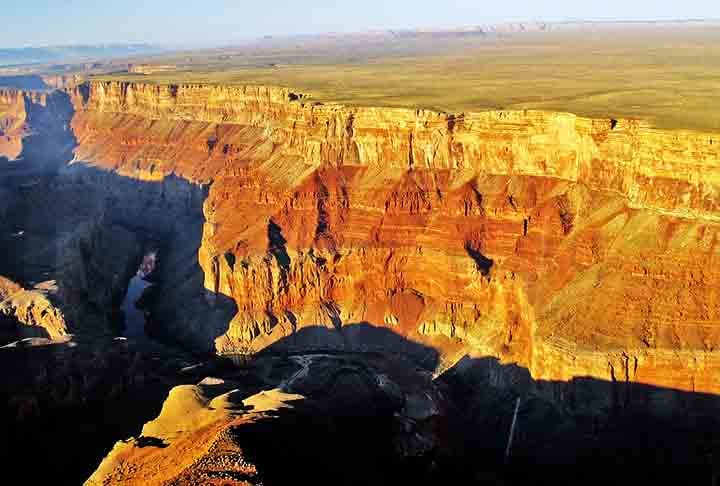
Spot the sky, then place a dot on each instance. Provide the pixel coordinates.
(185, 22)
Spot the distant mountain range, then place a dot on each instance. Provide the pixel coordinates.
(97, 52)
(63, 54)
(489, 31)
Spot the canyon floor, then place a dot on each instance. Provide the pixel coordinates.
(233, 284)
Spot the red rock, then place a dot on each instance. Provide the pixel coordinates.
(571, 246)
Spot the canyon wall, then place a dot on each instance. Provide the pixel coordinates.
(572, 247)
(676, 172)
(34, 128)
(65, 257)
(12, 108)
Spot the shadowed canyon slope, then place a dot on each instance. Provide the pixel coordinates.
(571, 246)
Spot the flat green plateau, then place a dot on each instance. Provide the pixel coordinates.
(670, 79)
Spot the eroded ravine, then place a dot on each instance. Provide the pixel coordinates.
(570, 260)
(72, 237)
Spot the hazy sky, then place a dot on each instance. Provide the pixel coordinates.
(43, 22)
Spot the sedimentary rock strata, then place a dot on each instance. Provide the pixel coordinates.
(570, 246)
(567, 260)
(29, 313)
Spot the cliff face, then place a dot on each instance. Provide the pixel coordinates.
(12, 123)
(672, 171)
(34, 130)
(571, 246)
(63, 258)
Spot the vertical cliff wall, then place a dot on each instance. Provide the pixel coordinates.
(12, 108)
(571, 246)
(34, 130)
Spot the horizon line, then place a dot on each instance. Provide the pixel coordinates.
(415, 28)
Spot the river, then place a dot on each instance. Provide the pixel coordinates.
(134, 317)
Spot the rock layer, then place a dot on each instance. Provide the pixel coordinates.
(12, 108)
(571, 246)
(29, 313)
(34, 127)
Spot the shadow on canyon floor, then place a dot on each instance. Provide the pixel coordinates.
(585, 431)
(64, 407)
(83, 228)
(362, 337)
(345, 431)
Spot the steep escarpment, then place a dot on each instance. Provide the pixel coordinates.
(567, 261)
(45, 232)
(13, 117)
(624, 156)
(34, 129)
(71, 237)
(76, 230)
(571, 246)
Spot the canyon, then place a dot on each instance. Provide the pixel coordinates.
(452, 261)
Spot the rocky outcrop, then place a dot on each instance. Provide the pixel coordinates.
(226, 431)
(190, 442)
(29, 313)
(93, 391)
